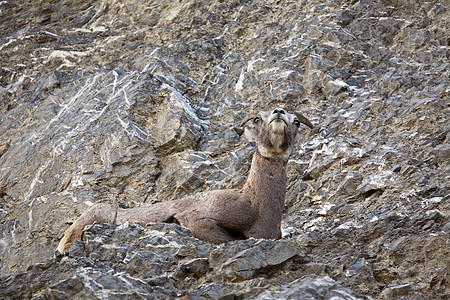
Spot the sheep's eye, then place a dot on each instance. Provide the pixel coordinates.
(256, 120)
(297, 123)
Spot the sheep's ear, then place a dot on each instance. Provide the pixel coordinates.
(303, 119)
(249, 127)
(250, 133)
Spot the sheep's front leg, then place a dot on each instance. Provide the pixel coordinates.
(97, 214)
(209, 231)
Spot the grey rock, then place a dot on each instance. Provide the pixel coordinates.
(196, 265)
(312, 288)
(442, 153)
(244, 260)
(349, 185)
(395, 291)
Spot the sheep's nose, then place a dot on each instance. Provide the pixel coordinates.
(278, 111)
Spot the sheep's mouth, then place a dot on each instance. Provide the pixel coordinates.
(279, 118)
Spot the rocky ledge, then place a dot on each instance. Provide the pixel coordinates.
(140, 101)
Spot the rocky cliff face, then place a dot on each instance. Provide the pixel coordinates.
(141, 101)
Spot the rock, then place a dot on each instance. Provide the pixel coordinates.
(197, 266)
(334, 87)
(348, 187)
(312, 288)
(395, 291)
(245, 259)
(177, 127)
(3, 247)
(442, 152)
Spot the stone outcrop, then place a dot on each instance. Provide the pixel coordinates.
(140, 101)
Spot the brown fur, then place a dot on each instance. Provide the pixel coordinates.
(223, 215)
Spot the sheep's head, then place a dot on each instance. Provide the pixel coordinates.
(275, 132)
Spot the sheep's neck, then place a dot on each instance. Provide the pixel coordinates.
(266, 187)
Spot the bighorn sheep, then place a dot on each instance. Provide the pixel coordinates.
(220, 216)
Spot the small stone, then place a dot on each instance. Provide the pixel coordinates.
(395, 291)
(349, 185)
(197, 266)
(442, 153)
